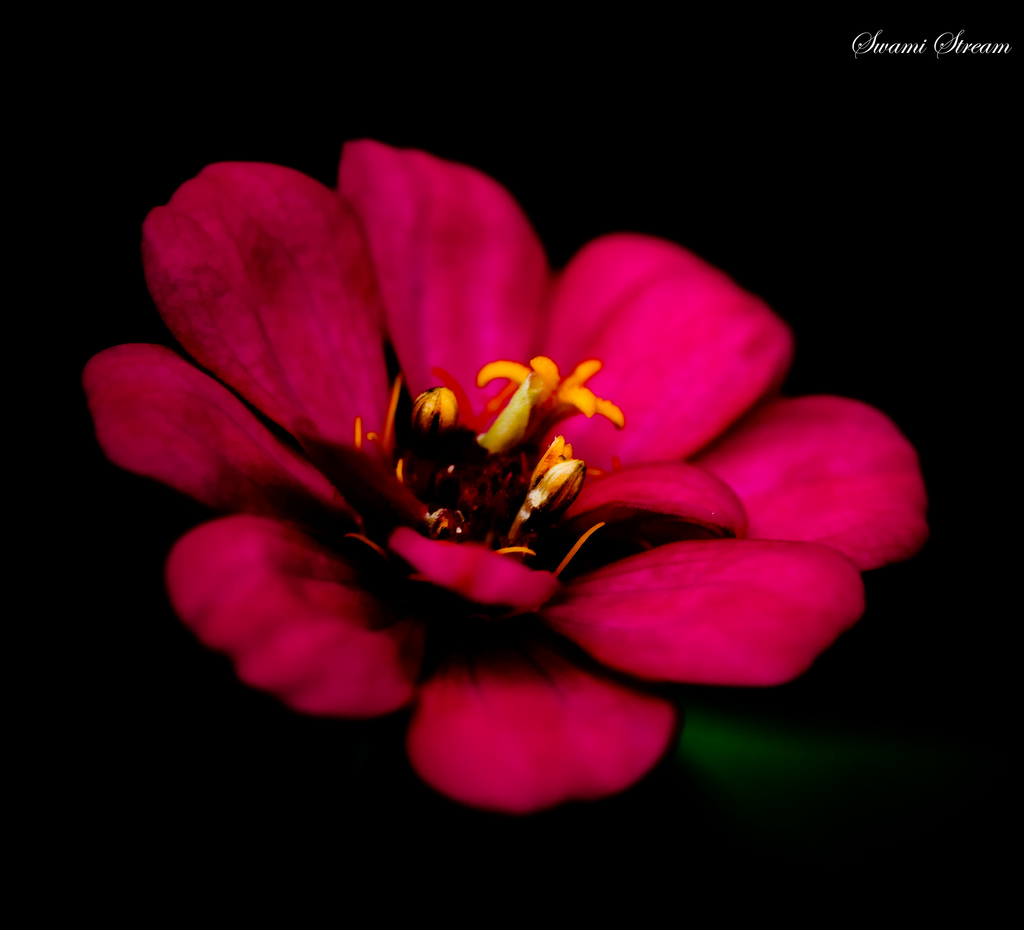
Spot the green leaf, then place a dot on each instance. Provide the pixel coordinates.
(792, 785)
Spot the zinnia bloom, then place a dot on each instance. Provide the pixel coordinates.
(400, 532)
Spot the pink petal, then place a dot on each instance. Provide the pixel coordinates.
(830, 470)
(521, 730)
(462, 273)
(262, 275)
(685, 350)
(474, 571)
(293, 617)
(158, 416)
(674, 489)
(723, 612)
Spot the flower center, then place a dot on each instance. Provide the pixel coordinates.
(498, 485)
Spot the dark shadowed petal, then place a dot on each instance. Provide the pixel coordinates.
(462, 274)
(293, 618)
(159, 416)
(686, 351)
(262, 275)
(672, 489)
(728, 611)
(367, 483)
(474, 571)
(520, 730)
(829, 470)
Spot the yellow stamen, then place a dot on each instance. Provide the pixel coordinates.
(358, 438)
(389, 420)
(583, 372)
(370, 543)
(512, 422)
(576, 548)
(522, 549)
(514, 371)
(572, 391)
(608, 410)
(549, 376)
(581, 398)
(398, 471)
(534, 387)
(500, 399)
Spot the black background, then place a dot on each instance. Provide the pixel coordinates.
(867, 200)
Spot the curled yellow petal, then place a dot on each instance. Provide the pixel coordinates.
(546, 368)
(584, 371)
(514, 371)
(608, 410)
(581, 398)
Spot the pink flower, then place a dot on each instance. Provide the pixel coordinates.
(733, 522)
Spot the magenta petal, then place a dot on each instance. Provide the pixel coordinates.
(725, 612)
(830, 470)
(158, 416)
(686, 351)
(292, 616)
(262, 275)
(462, 274)
(473, 571)
(672, 489)
(520, 731)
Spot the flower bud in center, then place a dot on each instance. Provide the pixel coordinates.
(555, 484)
(434, 413)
